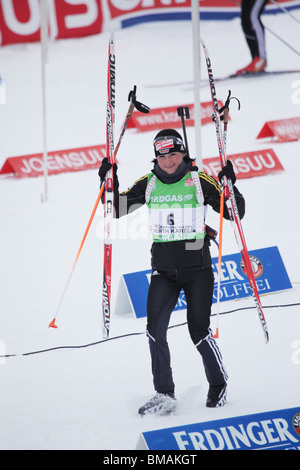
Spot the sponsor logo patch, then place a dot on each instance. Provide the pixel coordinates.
(296, 423)
(163, 146)
(256, 265)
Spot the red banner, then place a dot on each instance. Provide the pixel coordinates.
(162, 118)
(121, 7)
(19, 22)
(61, 161)
(78, 19)
(246, 165)
(20, 19)
(284, 129)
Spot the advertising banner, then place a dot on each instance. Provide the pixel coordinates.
(267, 265)
(162, 118)
(272, 430)
(246, 164)
(20, 19)
(60, 161)
(285, 130)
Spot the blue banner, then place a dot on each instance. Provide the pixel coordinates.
(267, 265)
(272, 430)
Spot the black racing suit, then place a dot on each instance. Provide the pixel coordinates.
(176, 267)
(253, 27)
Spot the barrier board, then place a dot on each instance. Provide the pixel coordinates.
(60, 161)
(247, 164)
(269, 272)
(285, 130)
(272, 430)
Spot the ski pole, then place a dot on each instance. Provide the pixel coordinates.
(225, 111)
(287, 44)
(216, 335)
(285, 10)
(225, 116)
(274, 34)
(183, 111)
(142, 108)
(231, 201)
(52, 323)
(133, 104)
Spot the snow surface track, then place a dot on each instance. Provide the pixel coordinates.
(88, 398)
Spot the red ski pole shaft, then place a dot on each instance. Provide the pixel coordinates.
(216, 335)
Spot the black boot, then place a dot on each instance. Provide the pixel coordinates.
(216, 396)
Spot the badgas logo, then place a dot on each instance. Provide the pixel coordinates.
(256, 264)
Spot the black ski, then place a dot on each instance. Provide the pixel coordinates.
(265, 73)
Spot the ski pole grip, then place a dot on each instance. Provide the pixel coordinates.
(132, 94)
(225, 116)
(130, 109)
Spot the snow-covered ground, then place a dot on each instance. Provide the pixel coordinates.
(87, 398)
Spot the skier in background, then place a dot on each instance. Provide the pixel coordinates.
(253, 28)
(177, 196)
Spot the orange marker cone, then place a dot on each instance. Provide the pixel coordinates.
(52, 324)
(216, 335)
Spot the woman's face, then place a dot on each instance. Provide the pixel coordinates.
(170, 161)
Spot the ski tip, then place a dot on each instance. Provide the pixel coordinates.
(52, 324)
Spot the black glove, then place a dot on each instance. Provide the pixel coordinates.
(227, 171)
(104, 168)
